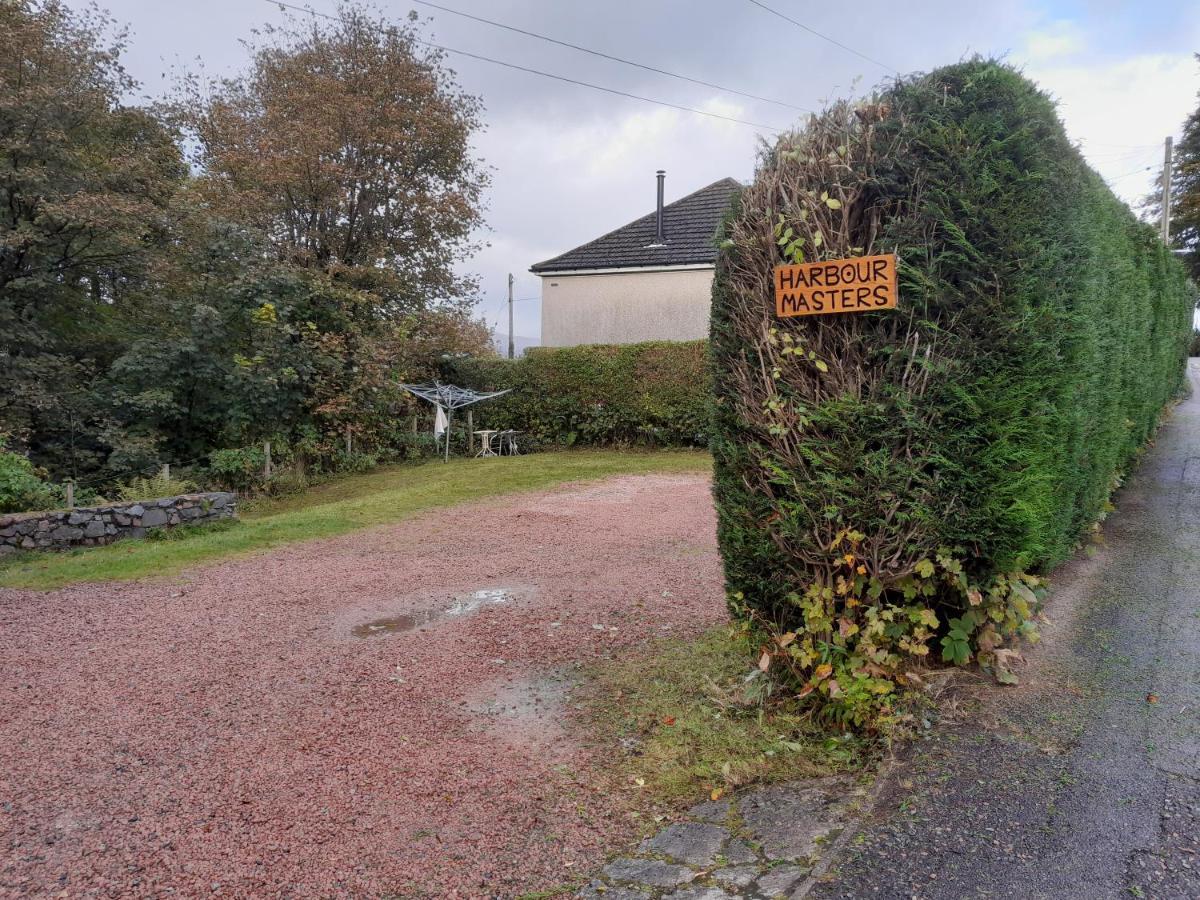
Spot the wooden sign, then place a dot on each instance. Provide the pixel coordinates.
(861, 284)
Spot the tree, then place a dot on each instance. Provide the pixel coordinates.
(244, 347)
(150, 315)
(1185, 193)
(348, 145)
(85, 189)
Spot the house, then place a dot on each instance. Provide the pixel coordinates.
(648, 280)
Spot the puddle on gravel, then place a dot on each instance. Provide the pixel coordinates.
(392, 625)
(472, 602)
(463, 605)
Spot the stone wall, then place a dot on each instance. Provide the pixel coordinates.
(92, 525)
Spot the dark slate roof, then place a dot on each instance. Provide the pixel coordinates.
(690, 225)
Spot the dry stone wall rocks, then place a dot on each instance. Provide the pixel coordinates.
(90, 526)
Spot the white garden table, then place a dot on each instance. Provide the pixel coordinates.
(485, 440)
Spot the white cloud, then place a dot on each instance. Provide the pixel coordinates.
(1120, 112)
(1054, 41)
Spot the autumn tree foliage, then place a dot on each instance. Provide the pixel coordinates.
(348, 145)
(279, 288)
(86, 183)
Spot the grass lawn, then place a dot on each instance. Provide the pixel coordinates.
(359, 501)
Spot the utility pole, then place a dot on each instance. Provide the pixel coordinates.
(510, 317)
(1166, 193)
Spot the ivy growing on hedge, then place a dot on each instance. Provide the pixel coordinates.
(891, 483)
(652, 394)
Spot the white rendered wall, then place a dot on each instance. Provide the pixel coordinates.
(625, 307)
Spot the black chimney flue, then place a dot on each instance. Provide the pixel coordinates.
(660, 236)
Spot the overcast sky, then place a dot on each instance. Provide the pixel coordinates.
(571, 163)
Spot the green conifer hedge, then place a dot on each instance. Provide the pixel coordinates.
(891, 483)
(655, 393)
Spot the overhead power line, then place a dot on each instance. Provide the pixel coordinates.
(562, 78)
(608, 56)
(1120, 156)
(1134, 172)
(825, 37)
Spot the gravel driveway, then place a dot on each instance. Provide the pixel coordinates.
(373, 714)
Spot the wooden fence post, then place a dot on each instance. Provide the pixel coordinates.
(266, 459)
(70, 485)
(349, 442)
(470, 433)
(166, 472)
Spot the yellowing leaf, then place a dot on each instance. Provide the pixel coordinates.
(824, 670)
(924, 568)
(764, 661)
(820, 364)
(1025, 594)
(715, 794)
(833, 203)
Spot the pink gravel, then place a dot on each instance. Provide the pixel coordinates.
(226, 734)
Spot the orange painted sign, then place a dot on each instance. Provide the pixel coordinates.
(860, 284)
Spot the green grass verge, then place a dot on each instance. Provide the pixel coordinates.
(690, 723)
(386, 495)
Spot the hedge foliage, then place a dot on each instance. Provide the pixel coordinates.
(891, 483)
(653, 394)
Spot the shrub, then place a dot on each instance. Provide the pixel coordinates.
(652, 394)
(238, 468)
(409, 446)
(154, 486)
(21, 487)
(893, 483)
